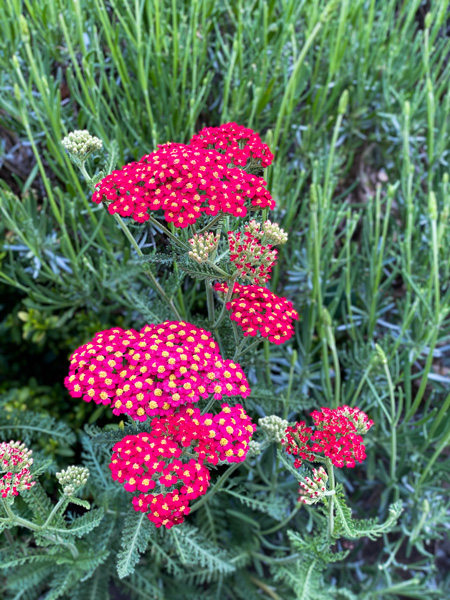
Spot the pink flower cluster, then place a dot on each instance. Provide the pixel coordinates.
(253, 260)
(15, 461)
(239, 145)
(147, 460)
(258, 310)
(162, 371)
(152, 371)
(335, 437)
(183, 181)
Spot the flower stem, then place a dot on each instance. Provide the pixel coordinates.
(216, 487)
(332, 485)
(149, 274)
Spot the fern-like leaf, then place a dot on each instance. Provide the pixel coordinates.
(135, 535)
(358, 528)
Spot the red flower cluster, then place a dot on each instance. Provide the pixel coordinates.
(144, 460)
(256, 309)
(335, 437)
(151, 371)
(238, 144)
(184, 182)
(253, 260)
(14, 462)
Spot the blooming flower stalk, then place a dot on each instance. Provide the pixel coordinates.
(150, 372)
(335, 437)
(15, 460)
(157, 463)
(239, 145)
(257, 310)
(185, 183)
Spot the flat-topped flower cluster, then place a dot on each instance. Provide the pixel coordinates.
(149, 372)
(337, 437)
(185, 182)
(257, 310)
(161, 372)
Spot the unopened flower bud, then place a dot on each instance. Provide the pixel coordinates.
(254, 449)
(72, 479)
(274, 427)
(313, 490)
(274, 234)
(203, 245)
(81, 144)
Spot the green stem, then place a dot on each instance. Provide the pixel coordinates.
(225, 301)
(332, 485)
(210, 301)
(18, 520)
(149, 274)
(393, 423)
(216, 487)
(283, 523)
(54, 511)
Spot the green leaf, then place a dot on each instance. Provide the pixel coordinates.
(135, 535)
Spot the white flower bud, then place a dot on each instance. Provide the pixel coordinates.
(81, 144)
(72, 479)
(254, 449)
(203, 245)
(274, 427)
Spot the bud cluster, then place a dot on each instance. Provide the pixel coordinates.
(15, 460)
(203, 245)
(267, 232)
(252, 260)
(274, 427)
(254, 449)
(81, 144)
(72, 479)
(313, 490)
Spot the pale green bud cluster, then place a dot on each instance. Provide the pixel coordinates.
(274, 427)
(72, 479)
(267, 232)
(81, 144)
(203, 245)
(254, 449)
(313, 490)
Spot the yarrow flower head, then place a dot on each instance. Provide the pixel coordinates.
(15, 460)
(267, 232)
(335, 437)
(258, 310)
(146, 461)
(184, 182)
(81, 144)
(253, 261)
(313, 490)
(152, 371)
(203, 245)
(72, 479)
(274, 427)
(239, 145)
